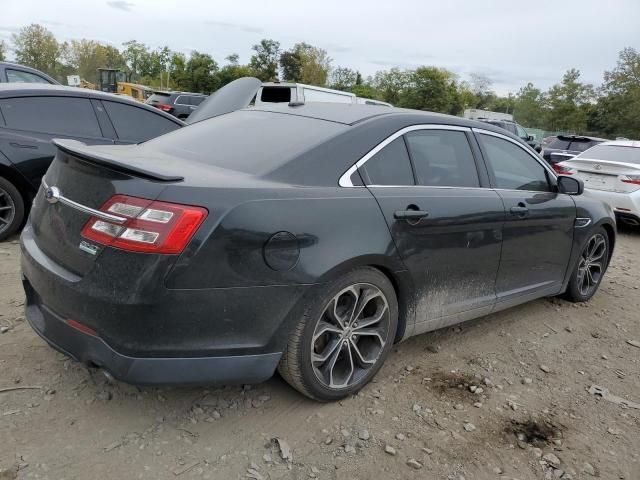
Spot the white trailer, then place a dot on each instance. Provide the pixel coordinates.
(478, 114)
(275, 92)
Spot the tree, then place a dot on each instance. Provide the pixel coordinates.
(391, 84)
(36, 47)
(264, 62)
(529, 106)
(433, 89)
(618, 109)
(568, 103)
(314, 64)
(343, 78)
(291, 65)
(200, 73)
(84, 57)
(3, 49)
(135, 55)
(233, 70)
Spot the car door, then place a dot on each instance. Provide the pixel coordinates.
(538, 230)
(32, 122)
(445, 221)
(134, 124)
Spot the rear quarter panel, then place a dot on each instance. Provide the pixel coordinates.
(335, 229)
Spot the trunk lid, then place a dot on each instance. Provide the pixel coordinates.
(605, 175)
(88, 179)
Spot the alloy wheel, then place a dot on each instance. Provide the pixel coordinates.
(592, 264)
(7, 210)
(350, 335)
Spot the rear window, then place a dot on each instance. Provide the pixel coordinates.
(559, 144)
(613, 153)
(582, 145)
(276, 94)
(247, 141)
(159, 98)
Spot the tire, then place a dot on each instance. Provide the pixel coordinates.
(591, 267)
(12, 209)
(349, 347)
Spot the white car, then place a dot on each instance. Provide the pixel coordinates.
(611, 172)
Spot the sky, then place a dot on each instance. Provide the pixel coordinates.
(511, 42)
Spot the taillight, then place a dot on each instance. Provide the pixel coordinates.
(150, 226)
(633, 179)
(164, 107)
(563, 170)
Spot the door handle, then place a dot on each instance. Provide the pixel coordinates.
(410, 214)
(520, 211)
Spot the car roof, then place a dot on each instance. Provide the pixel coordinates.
(352, 113)
(580, 138)
(622, 143)
(8, 90)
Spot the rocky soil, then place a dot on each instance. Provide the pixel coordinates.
(546, 390)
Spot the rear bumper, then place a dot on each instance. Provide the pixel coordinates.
(149, 334)
(92, 350)
(624, 205)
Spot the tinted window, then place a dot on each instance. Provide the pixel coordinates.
(614, 153)
(24, 77)
(582, 145)
(197, 100)
(390, 166)
(442, 158)
(253, 142)
(134, 124)
(522, 133)
(514, 169)
(276, 94)
(559, 143)
(183, 100)
(55, 115)
(159, 98)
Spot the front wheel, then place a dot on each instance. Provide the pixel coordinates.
(12, 209)
(590, 269)
(343, 338)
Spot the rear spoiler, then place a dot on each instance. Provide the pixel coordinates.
(89, 154)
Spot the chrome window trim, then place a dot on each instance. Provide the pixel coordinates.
(53, 195)
(540, 161)
(345, 179)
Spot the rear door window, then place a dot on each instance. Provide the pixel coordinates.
(197, 100)
(20, 76)
(134, 124)
(54, 115)
(513, 168)
(442, 158)
(390, 166)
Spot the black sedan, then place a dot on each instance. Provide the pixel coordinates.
(303, 238)
(32, 115)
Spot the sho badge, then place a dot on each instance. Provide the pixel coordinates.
(88, 247)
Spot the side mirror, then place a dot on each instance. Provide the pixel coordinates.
(570, 185)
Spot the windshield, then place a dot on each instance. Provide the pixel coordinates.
(254, 142)
(613, 153)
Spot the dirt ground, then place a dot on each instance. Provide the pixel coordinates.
(530, 414)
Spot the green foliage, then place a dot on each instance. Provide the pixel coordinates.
(264, 62)
(571, 105)
(37, 47)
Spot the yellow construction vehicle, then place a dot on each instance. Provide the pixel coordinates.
(134, 90)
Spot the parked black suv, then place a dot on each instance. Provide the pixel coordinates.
(564, 147)
(16, 73)
(518, 130)
(32, 115)
(178, 104)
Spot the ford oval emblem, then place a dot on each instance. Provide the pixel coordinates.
(52, 194)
